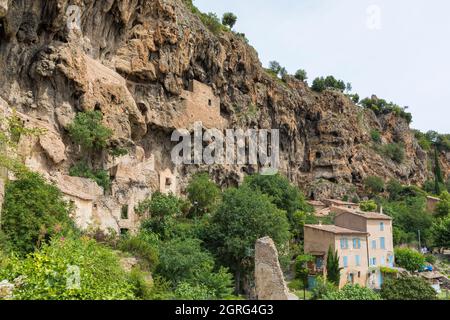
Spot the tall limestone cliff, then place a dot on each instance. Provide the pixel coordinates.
(151, 66)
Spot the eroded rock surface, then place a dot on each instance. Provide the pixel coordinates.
(269, 279)
(136, 61)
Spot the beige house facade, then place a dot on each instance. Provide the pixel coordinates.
(363, 241)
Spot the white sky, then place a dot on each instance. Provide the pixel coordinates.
(404, 58)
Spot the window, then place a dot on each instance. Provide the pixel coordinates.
(373, 261)
(124, 231)
(344, 243)
(319, 262)
(391, 261)
(382, 243)
(374, 244)
(209, 102)
(345, 261)
(356, 243)
(383, 261)
(124, 212)
(358, 260)
(381, 226)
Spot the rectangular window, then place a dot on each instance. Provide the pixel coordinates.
(358, 260)
(374, 244)
(345, 260)
(344, 243)
(374, 262)
(381, 226)
(383, 261)
(124, 212)
(382, 243)
(356, 243)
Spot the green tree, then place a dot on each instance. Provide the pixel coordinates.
(333, 269)
(443, 206)
(302, 270)
(163, 209)
(88, 131)
(229, 19)
(244, 216)
(282, 193)
(441, 232)
(352, 292)
(47, 272)
(368, 206)
(101, 177)
(407, 288)
(409, 259)
(374, 184)
(184, 261)
(301, 75)
(33, 211)
(395, 188)
(203, 194)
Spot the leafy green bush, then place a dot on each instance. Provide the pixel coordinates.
(322, 289)
(203, 194)
(51, 273)
(101, 177)
(368, 206)
(381, 106)
(352, 292)
(229, 19)
(394, 151)
(142, 247)
(407, 288)
(87, 130)
(33, 211)
(374, 184)
(395, 189)
(320, 84)
(441, 232)
(375, 135)
(409, 259)
(301, 75)
(443, 206)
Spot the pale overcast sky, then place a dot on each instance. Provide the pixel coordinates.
(397, 49)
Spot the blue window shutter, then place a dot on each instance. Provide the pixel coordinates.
(381, 226)
(355, 243)
(382, 243)
(345, 262)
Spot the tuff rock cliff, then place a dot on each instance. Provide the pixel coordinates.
(135, 61)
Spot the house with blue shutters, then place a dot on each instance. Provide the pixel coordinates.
(363, 241)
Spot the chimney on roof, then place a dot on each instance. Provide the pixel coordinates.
(381, 209)
(320, 223)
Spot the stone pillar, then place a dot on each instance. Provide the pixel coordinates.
(269, 279)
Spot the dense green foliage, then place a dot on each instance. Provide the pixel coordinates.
(244, 216)
(229, 19)
(33, 211)
(284, 195)
(302, 270)
(101, 177)
(351, 292)
(368, 206)
(301, 75)
(277, 70)
(407, 288)
(441, 232)
(375, 135)
(320, 84)
(333, 269)
(203, 194)
(374, 184)
(381, 106)
(409, 259)
(88, 131)
(51, 272)
(394, 151)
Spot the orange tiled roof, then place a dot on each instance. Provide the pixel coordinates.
(334, 229)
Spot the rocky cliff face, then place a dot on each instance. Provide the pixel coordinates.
(134, 61)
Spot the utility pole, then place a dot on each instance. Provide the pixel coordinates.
(420, 245)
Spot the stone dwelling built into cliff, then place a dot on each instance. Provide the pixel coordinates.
(363, 241)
